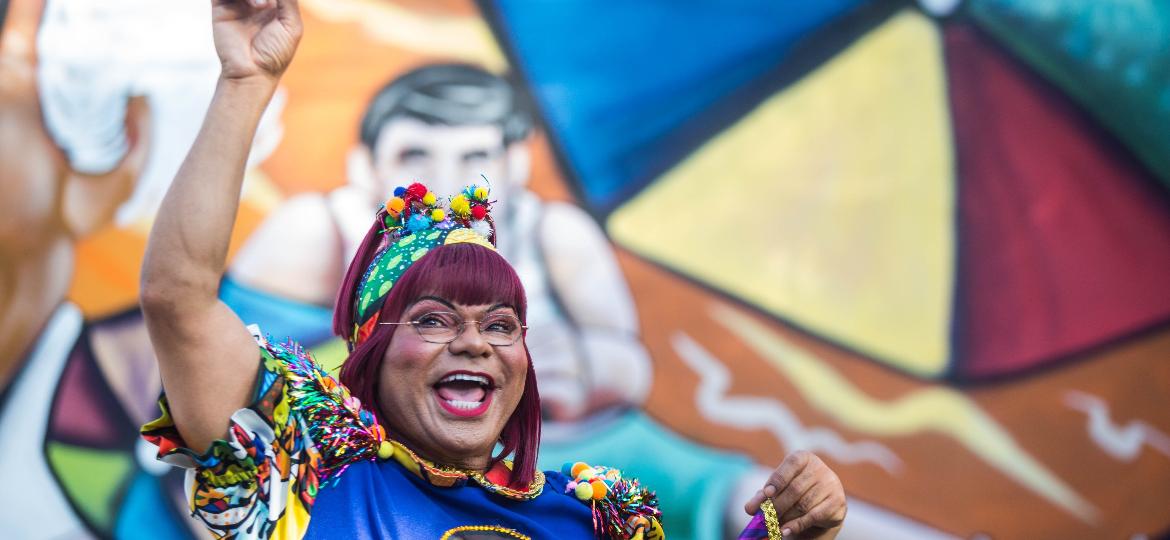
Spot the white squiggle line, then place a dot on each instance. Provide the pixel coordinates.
(1123, 442)
(758, 412)
(934, 408)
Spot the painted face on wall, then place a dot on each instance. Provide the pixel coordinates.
(445, 158)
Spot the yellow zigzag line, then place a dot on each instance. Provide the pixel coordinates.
(937, 409)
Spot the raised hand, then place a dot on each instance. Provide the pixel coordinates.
(255, 38)
(188, 246)
(808, 496)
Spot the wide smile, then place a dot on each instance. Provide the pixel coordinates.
(465, 394)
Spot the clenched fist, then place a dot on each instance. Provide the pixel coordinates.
(255, 38)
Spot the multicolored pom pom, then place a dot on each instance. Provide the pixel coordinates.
(590, 482)
(621, 508)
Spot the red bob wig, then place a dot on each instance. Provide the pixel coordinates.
(465, 274)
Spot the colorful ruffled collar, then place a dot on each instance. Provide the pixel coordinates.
(336, 420)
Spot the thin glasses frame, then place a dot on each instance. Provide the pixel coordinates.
(462, 325)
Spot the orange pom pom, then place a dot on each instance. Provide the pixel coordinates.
(395, 205)
(599, 489)
(578, 467)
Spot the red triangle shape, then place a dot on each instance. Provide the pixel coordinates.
(1064, 239)
(85, 412)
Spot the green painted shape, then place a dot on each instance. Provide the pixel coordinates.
(93, 479)
(331, 355)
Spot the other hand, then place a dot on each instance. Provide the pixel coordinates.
(808, 496)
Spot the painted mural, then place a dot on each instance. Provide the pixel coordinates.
(928, 241)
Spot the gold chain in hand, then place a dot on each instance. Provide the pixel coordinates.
(771, 520)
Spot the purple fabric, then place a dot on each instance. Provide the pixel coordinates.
(755, 528)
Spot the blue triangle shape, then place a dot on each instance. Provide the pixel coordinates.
(615, 81)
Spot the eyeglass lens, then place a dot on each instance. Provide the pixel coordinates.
(444, 327)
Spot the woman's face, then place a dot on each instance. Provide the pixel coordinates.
(450, 401)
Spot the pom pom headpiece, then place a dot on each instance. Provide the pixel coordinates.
(410, 224)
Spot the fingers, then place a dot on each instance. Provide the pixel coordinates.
(256, 4)
(286, 7)
(790, 469)
(242, 8)
(822, 505)
(828, 514)
(753, 504)
(797, 497)
(793, 464)
(289, 12)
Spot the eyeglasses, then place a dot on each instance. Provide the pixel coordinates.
(499, 329)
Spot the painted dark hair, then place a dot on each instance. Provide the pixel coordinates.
(462, 273)
(3, 15)
(450, 95)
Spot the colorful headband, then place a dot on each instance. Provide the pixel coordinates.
(415, 223)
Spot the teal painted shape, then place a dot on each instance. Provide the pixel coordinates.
(1110, 56)
(144, 513)
(693, 482)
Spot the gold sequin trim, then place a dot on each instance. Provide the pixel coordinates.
(534, 489)
(446, 476)
(483, 528)
(771, 520)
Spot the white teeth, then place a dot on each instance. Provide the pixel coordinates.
(483, 381)
(465, 405)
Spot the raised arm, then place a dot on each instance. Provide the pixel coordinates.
(207, 359)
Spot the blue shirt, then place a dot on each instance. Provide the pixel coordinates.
(381, 499)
